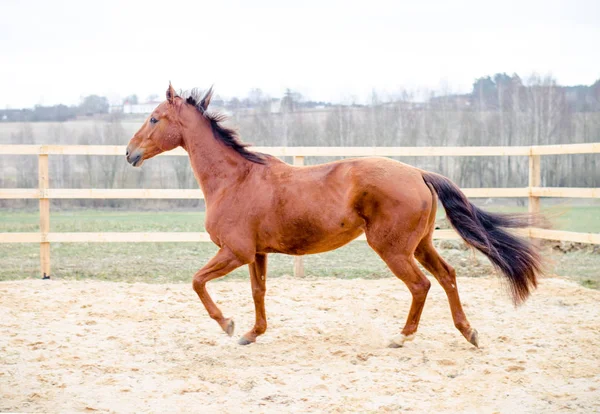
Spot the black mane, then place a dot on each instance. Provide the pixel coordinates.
(227, 136)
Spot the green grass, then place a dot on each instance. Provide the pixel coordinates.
(584, 219)
(571, 218)
(177, 262)
(104, 221)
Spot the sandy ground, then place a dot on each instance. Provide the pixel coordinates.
(95, 346)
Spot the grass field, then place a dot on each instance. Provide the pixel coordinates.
(177, 262)
(571, 218)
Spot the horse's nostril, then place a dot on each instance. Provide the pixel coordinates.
(135, 160)
(127, 152)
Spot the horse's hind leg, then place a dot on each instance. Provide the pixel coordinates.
(446, 276)
(258, 276)
(403, 265)
(407, 270)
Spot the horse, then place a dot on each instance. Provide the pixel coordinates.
(257, 204)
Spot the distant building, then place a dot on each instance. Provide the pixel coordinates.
(275, 106)
(142, 108)
(131, 108)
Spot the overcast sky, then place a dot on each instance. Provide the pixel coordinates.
(57, 51)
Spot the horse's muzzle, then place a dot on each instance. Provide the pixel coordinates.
(135, 158)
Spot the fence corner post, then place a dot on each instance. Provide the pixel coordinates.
(44, 215)
(298, 260)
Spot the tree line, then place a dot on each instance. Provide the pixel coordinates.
(500, 110)
(89, 106)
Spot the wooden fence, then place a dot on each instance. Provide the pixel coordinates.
(44, 193)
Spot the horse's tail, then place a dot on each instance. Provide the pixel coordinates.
(517, 259)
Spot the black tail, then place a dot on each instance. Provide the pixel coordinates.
(515, 257)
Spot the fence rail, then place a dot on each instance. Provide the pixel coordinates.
(564, 149)
(44, 193)
(158, 193)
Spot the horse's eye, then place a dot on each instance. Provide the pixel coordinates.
(153, 120)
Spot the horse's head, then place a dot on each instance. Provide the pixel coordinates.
(162, 131)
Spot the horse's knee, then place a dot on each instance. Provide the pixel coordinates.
(426, 285)
(419, 290)
(198, 284)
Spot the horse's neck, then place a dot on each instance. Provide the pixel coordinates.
(216, 167)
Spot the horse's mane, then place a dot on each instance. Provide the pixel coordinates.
(226, 135)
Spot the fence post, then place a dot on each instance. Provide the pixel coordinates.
(44, 215)
(535, 180)
(298, 260)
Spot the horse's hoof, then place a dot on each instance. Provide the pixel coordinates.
(230, 327)
(398, 341)
(244, 341)
(474, 338)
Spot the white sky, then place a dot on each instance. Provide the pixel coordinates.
(55, 51)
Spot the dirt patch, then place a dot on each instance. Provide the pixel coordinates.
(98, 346)
(569, 247)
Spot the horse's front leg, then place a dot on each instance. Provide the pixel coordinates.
(224, 262)
(258, 278)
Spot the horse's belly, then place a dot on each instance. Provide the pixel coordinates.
(311, 242)
(333, 242)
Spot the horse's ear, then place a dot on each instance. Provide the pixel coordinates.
(206, 98)
(171, 94)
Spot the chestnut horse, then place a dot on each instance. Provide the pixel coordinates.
(257, 204)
